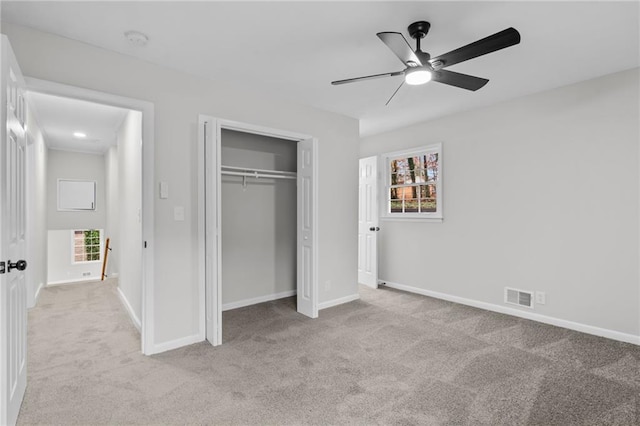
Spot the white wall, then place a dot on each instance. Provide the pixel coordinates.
(540, 193)
(61, 267)
(128, 245)
(36, 272)
(259, 221)
(72, 165)
(80, 166)
(178, 99)
(112, 228)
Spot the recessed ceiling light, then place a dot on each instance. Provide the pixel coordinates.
(136, 38)
(79, 135)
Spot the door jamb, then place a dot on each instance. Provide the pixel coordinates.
(147, 108)
(217, 125)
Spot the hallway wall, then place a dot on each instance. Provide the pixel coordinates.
(112, 228)
(37, 154)
(129, 235)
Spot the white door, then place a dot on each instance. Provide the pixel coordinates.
(211, 217)
(368, 222)
(13, 302)
(306, 289)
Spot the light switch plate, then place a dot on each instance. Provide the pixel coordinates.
(164, 190)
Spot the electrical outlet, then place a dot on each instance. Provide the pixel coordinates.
(86, 274)
(327, 285)
(541, 297)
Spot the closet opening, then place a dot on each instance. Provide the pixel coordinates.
(258, 203)
(257, 221)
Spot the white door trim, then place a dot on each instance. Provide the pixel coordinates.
(209, 221)
(52, 88)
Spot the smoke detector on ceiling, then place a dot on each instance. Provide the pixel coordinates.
(136, 38)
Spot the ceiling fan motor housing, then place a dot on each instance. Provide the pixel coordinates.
(419, 29)
(424, 58)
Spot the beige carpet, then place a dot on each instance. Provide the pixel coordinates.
(390, 358)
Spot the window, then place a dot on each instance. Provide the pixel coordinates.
(86, 245)
(413, 187)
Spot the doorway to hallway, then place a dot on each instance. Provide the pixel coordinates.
(123, 192)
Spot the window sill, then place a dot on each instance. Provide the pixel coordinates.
(411, 219)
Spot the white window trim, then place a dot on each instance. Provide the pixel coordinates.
(73, 248)
(385, 214)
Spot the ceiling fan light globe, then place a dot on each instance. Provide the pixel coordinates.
(417, 76)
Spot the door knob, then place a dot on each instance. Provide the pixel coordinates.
(376, 228)
(20, 265)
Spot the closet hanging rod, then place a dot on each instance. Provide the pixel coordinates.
(258, 175)
(250, 170)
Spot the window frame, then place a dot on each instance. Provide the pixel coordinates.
(73, 247)
(385, 210)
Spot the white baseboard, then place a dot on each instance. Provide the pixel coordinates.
(73, 281)
(134, 318)
(174, 344)
(584, 328)
(256, 300)
(339, 301)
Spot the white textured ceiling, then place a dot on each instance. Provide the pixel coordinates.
(60, 117)
(294, 49)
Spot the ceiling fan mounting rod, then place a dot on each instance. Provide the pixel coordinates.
(418, 30)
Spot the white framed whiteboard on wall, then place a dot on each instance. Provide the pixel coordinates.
(76, 195)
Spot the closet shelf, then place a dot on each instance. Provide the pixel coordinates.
(257, 173)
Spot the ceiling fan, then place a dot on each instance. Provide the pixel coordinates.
(421, 67)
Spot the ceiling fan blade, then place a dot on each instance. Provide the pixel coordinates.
(494, 42)
(464, 81)
(399, 45)
(394, 93)
(368, 77)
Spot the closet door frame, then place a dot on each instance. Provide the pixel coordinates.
(210, 224)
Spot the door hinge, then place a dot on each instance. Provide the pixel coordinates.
(2, 266)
